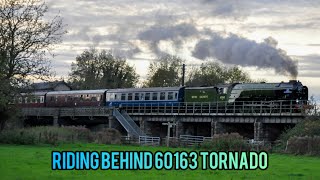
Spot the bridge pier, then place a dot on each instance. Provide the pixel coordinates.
(218, 128)
(145, 126)
(55, 121)
(259, 130)
(179, 129)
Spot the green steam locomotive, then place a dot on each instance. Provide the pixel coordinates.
(292, 92)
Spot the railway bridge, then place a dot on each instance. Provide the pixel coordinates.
(257, 120)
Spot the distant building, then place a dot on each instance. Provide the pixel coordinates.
(49, 86)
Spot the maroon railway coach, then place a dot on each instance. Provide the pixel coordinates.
(35, 99)
(79, 98)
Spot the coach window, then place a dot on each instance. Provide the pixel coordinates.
(141, 96)
(93, 98)
(129, 96)
(162, 96)
(41, 99)
(20, 100)
(170, 95)
(123, 96)
(147, 97)
(115, 96)
(154, 96)
(136, 96)
(176, 95)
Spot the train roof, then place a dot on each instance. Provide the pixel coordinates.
(98, 91)
(263, 85)
(145, 89)
(42, 93)
(207, 87)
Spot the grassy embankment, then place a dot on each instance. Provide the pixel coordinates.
(34, 162)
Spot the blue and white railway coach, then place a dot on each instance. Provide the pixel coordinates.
(159, 96)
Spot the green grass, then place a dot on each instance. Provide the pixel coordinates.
(34, 162)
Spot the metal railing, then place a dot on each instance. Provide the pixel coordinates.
(190, 140)
(243, 108)
(62, 111)
(148, 140)
(125, 123)
(132, 123)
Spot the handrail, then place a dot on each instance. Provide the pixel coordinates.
(132, 123)
(219, 108)
(126, 121)
(248, 108)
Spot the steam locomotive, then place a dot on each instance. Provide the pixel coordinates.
(292, 92)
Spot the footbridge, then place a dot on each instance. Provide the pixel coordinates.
(257, 120)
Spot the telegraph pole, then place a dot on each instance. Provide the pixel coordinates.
(183, 73)
(169, 124)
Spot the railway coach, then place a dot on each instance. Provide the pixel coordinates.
(163, 96)
(34, 99)
(75, 98)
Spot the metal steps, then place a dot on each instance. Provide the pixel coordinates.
(127, 122)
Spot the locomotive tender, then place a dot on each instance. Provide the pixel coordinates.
(287, 92)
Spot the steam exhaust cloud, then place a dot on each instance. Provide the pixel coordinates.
(236, 50)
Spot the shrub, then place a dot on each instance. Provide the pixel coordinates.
(299, 137)
(226, 142)
(304, 145)
(108, 136)
(17, 136)
(46, 135)
(309, 127)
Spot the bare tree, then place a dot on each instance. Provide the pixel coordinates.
(26, 37)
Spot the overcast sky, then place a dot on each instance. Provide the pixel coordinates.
(271, 39)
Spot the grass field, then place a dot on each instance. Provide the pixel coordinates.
(34, 162)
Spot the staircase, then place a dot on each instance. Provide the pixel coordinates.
(127, 122)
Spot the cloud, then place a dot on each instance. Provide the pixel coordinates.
(127, 27)
(174, 33)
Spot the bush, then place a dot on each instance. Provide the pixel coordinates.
(17, 136)
(297, 139)
(309, 127)
(108, 136)
(304, 145)
(226, 142)
(56, 135)
(46, 135)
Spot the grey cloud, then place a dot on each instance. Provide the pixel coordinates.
(125, 21)
(285, 26)
(313, 44)
(174, 33)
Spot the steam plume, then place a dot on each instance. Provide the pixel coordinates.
(233, 49)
